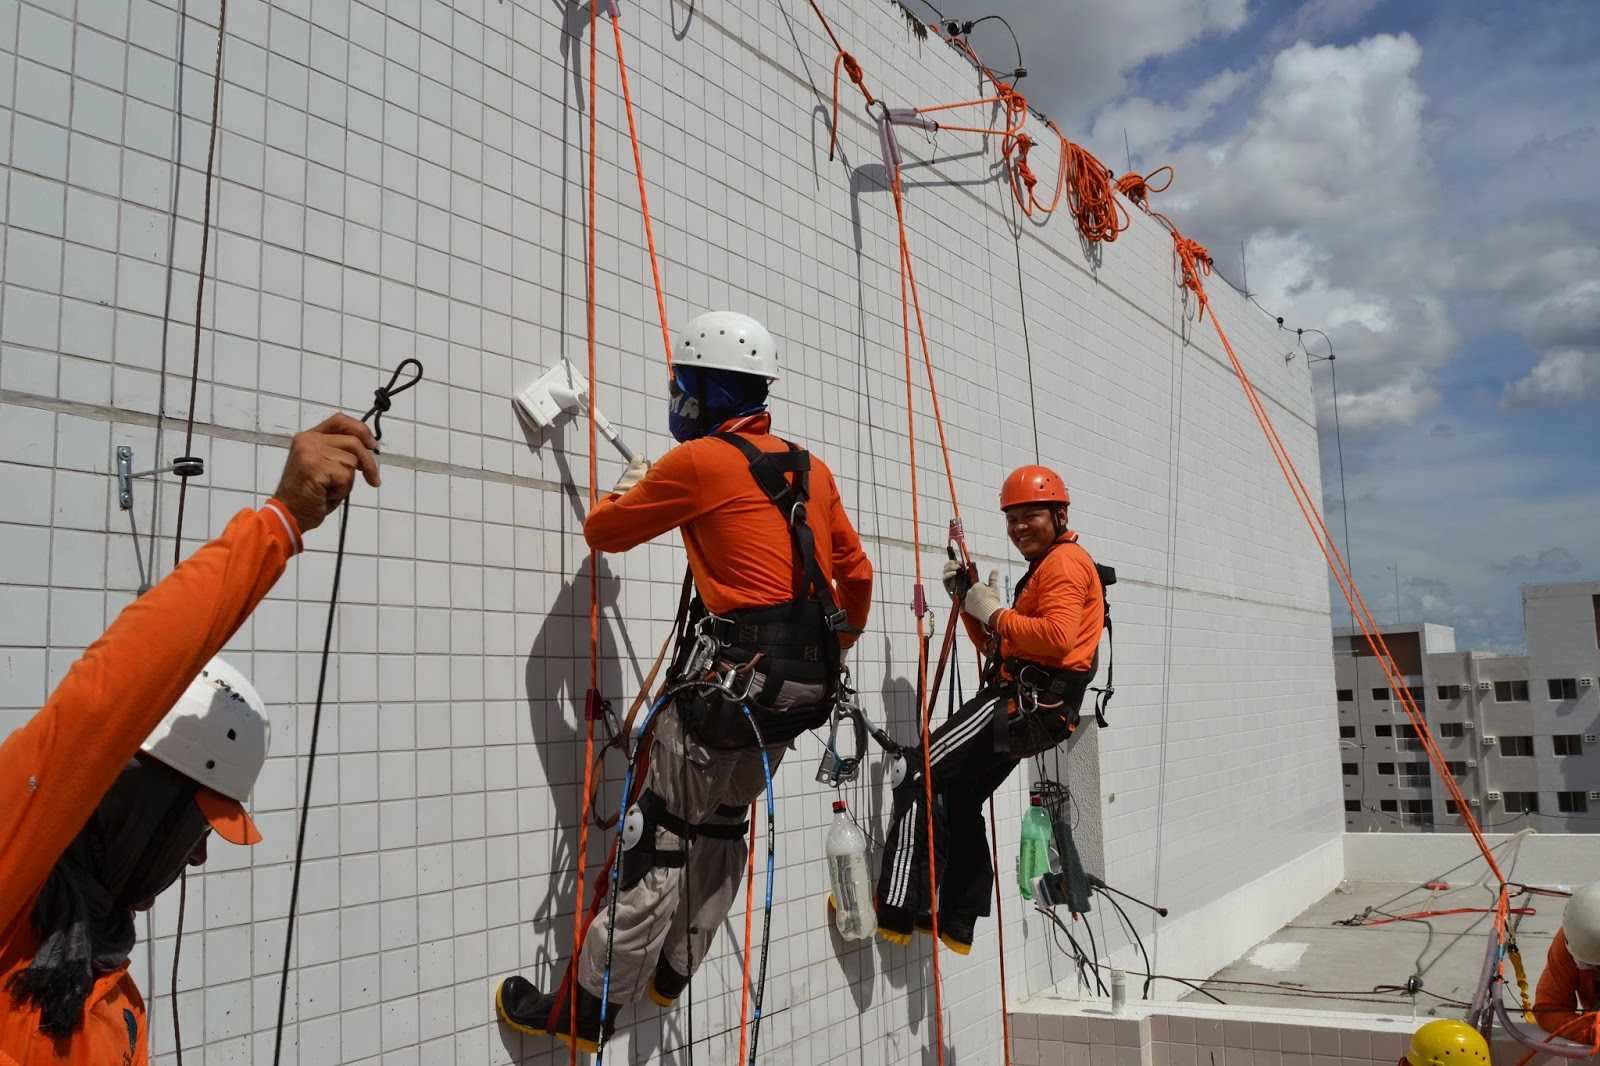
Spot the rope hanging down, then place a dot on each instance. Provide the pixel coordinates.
(594, 702)
(381, 402)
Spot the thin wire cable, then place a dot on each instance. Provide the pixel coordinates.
(166, 295)
(200, 284)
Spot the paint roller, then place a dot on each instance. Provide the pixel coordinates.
(562, 390)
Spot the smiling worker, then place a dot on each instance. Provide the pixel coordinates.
(1043, 652)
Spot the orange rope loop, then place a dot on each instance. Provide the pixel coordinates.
(1137, 187)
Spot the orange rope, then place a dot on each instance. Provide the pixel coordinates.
(1137, 187)
(644, 197)
(578, 925)
(908, 289)
(1563, 1028)
(1195, 264)
(851, 67)
(1000, 929)
(749, 911)
(593, 698)
(1415, 915)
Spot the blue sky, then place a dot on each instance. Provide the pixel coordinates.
(1420, 181)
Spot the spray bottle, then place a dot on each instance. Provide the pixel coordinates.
(1033, 858)
(848, 877)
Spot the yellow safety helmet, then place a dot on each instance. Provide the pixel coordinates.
(1447, 1042)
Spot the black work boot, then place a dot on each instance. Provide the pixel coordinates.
(667, 984)
(527, 1010)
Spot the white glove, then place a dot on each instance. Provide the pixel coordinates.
(631, 476)
(983, 601)
(952, 571)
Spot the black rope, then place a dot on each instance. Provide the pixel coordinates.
(380, 404)
(177, 953)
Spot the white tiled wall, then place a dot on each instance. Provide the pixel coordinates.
(406, 178)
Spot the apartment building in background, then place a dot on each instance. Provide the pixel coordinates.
(1521, 732)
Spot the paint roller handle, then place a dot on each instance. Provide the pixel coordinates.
(609, 432)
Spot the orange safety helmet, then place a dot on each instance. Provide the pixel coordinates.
(1033, 484)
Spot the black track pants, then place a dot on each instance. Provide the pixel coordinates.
(966, 771)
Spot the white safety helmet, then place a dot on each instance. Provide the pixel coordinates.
(1581, 922)
(727, 340)
(217, 735)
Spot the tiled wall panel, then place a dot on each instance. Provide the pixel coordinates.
(408, 178)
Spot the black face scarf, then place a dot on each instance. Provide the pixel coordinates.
(133, 847)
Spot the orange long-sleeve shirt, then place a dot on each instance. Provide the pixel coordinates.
(738, 544)
(1566, 991)
(54, 769)
(1059, 615)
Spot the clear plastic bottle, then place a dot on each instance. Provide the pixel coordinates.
(848, 877)
(1033, 858)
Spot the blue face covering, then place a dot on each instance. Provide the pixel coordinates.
(700, 400)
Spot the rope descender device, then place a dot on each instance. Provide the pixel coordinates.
(837, 770)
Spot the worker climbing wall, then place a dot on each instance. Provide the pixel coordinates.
(412, 179)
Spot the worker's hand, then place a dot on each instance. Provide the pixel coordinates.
(983, 601)
(321, 468)
(631, 476)
(952, 579)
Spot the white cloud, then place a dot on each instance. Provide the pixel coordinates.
(1146, 122)
(1386, 340)
(1323, 18)
(1566, 375)
(1336, 138)
(1077, 63)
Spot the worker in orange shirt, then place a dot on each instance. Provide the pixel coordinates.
(1044, 651)
(1566, 999)
(783, 588)
(148, 745)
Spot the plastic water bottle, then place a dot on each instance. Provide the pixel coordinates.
(848, 877)
(1033, 858)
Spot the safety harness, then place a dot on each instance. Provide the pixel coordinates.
(1039, 688)
(727, 671)
(761, 648)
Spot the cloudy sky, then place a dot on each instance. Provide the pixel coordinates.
(1420, 181)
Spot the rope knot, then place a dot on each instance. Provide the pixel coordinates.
(382, 396)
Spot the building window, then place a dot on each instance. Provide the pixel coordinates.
(1417, 694)
(1517, 746)
(1386, 769)
(1452, 730)
(1418, 806)
(1449, 692)
(1458, 767)
(1354, 806)
(1568, 743)
(1351, 769)
(1347, 732)
(1383, 730)
(1563, 688)
(1522, 802)
(1381, 694)
(1346, 695)
(1450, 807)
(1511, 692)
(1414, 768)
(1388, 805)
(1572, 802)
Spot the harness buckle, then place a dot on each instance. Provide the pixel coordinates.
(703, 656)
